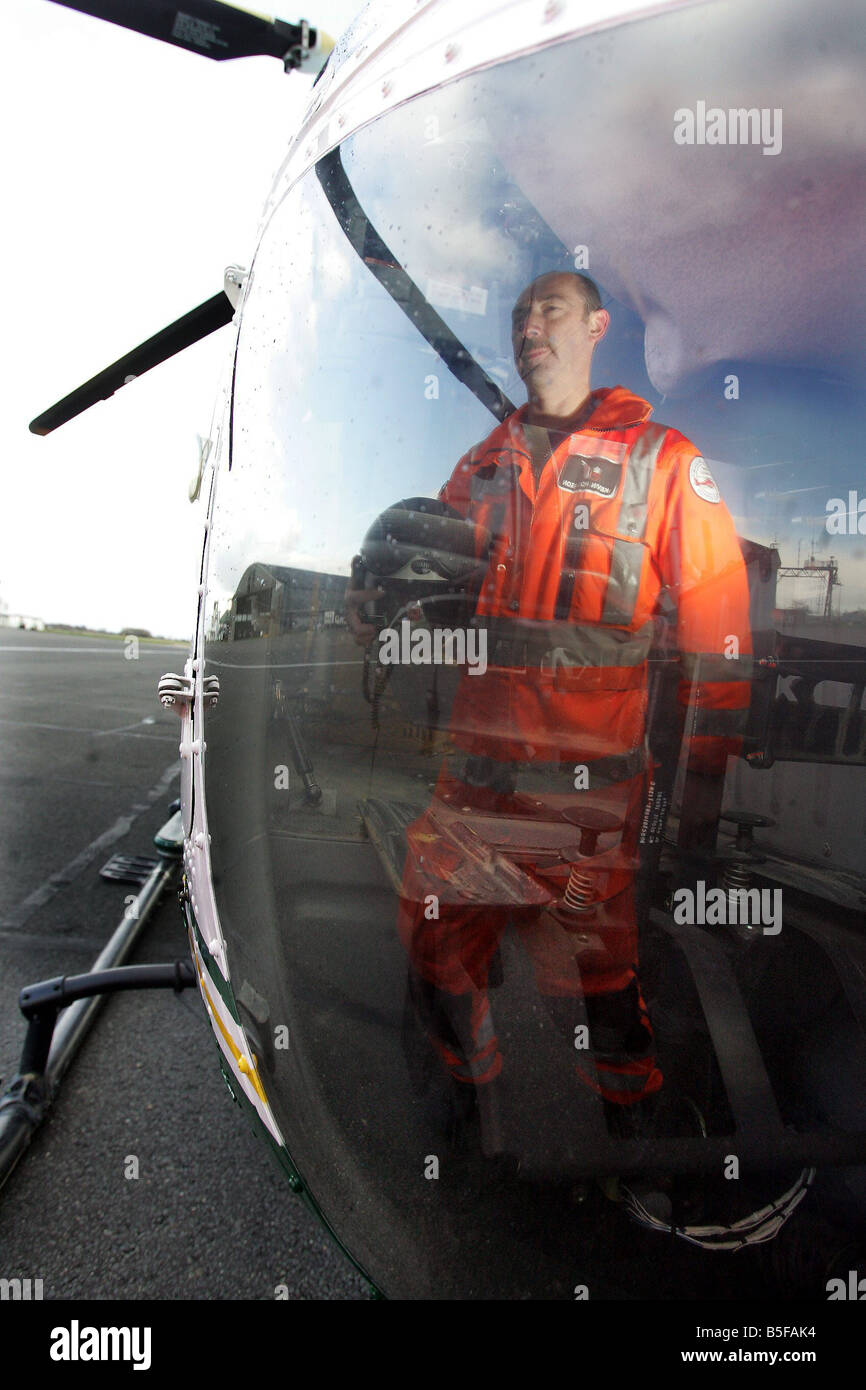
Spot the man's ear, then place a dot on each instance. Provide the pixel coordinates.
(598, 323)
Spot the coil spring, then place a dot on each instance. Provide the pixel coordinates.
(736, 876)
(579, 890)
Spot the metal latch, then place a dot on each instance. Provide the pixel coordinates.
(176, 692)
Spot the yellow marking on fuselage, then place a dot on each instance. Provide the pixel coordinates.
(249, 1070)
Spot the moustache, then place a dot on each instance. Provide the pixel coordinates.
(528, 348)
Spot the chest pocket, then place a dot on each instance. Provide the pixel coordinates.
(495, 496)
(594, 482)
(623, 562)
(630, 553)
(627, 560)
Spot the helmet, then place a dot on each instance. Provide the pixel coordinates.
(426, 545)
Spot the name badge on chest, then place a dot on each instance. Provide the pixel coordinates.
(600, 476)
(592, 465)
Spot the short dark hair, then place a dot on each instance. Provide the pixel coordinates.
(586, 288)
(589, 289)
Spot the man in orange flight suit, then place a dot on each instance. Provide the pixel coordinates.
(596, 515)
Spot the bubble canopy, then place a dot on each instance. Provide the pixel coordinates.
(428, 860)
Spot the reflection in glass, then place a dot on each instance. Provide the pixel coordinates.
(483, 864)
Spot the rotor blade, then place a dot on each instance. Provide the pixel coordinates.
(206, 26)
(197, 324)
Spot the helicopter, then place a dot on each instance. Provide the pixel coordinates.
(446, 162)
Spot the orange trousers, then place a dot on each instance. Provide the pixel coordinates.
(451, 919)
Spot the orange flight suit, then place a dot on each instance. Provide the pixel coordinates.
(625, 513)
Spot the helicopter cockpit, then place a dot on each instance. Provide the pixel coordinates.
(413, 923)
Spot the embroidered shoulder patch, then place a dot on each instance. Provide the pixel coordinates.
(702, 481)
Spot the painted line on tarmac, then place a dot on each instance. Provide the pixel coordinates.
(51, 940)
(30, 779)
(106, 647)
(52, 651)
(49, 651)
(63, 877)
(278, 665)
(97, 733)
(126, 728)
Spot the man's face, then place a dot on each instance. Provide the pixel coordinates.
(552, 336)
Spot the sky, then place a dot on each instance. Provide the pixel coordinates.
(133, 174)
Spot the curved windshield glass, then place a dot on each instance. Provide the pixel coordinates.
(537, 598)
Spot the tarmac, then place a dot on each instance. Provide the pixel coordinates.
(88, 768)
